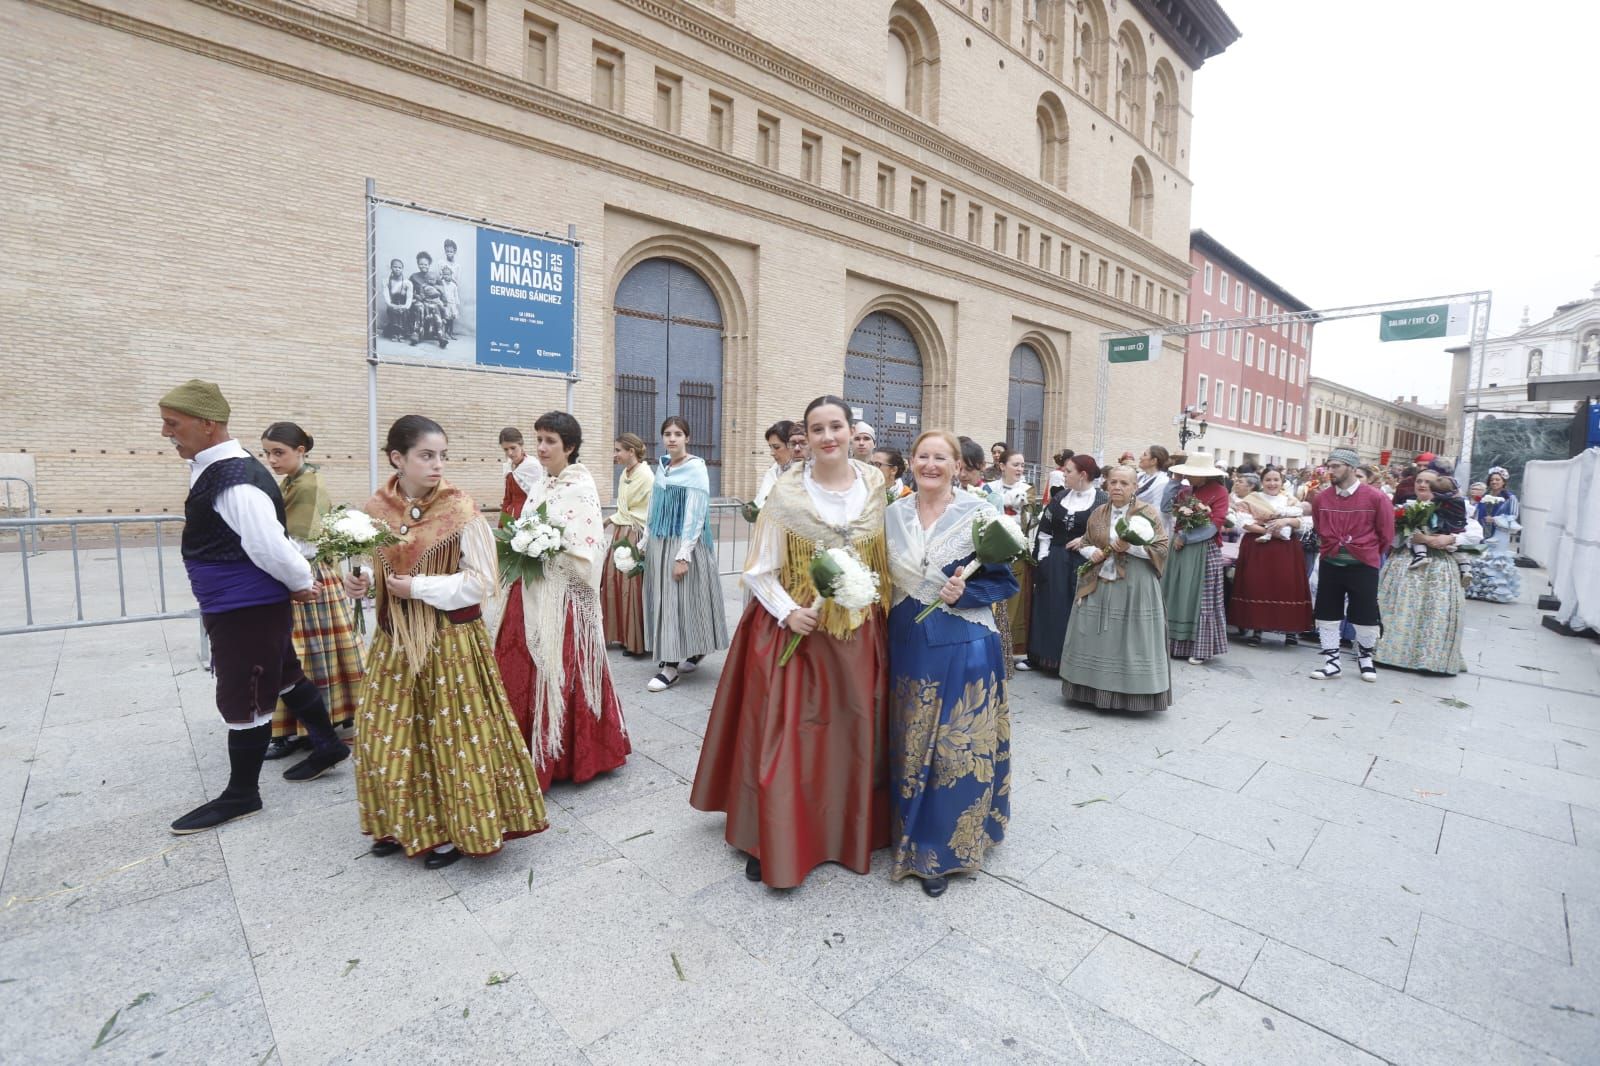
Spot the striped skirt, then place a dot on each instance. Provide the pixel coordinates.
(439, 758)
(330, 652)
(622, 597)
(1210, 637)
(684, 618)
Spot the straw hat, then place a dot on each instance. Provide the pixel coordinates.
(1198, 464)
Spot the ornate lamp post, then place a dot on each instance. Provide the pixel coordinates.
(1185, 434)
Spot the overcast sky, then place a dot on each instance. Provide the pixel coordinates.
(1367, 151)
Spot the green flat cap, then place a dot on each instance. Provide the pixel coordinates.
(202, 399)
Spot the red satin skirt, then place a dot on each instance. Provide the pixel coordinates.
(1270, 589)
(622, 597)
(590, 744)
(795, 755)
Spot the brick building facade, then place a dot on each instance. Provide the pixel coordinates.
(858, 191)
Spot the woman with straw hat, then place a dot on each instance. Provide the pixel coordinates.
(1197, 626)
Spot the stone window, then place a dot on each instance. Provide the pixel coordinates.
(811, 157)
(608, 78)
(947, 211)
(1141, 198)
(885, 187)
(388, 16)
(669, 101)
(919, 201)
(719, 123)
(911, 67)
(767, 142)
(467, 30)
(850, 173)
(1050, 119)
(539, 51)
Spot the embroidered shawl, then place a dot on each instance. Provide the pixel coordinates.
(918, 572)
(805, 534)
(1099, 534)
(430, 543)
(305, 501)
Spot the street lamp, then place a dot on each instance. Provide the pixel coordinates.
(1185, 434)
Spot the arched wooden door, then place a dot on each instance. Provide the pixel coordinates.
(1025, 404)
(668, 332)
(883, 379)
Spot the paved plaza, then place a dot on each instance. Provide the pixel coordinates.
(1272, 871)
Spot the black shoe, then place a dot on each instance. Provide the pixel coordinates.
(438, 860)
(283, 747)
(752, 869)
(317, 763)
(217, 812)
(1291, 641)
(381, 848)
(933, 887)
(1254, 639)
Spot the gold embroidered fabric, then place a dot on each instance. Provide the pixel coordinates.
(789, 507)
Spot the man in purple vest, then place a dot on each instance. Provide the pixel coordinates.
(244, 572)
(1355, 526)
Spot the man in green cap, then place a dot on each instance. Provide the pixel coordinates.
(244, 572)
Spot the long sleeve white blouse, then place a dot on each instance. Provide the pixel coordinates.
(767, 545)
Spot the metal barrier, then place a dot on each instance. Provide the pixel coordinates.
(33, 504)
(26, 526)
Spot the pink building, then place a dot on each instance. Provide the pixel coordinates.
(1249, 384)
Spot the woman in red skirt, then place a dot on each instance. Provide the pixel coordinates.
(795, 754)
(551, 647)
(1270, 591)
(622, 595)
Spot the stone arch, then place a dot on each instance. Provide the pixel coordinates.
(912, 29)
(1091, 47)
(937, 405)
(1051, 120)
(1141, 198)
(1164, 113)
(737, 393)
(1131, 74)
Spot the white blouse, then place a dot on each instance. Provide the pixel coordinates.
(835, 508)
(1108, 568)
(478, 580)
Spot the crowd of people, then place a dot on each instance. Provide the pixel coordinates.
(838, 726)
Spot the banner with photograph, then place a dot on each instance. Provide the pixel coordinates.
(448, 291)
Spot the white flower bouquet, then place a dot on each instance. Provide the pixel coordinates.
(996, 539)
(838, 575)
(527, 544)
(628, 562)
(1136, 530)
(347, 535)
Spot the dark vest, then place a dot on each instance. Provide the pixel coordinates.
(206, 537)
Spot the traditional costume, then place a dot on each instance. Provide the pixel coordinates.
(1197, 617)
(950, 722)
(518, 481)
(1354, 526)
(795, 754)
(551, 648)
(439, 759)
(682, 619)
(1422, 609)
(1014, 500)
(622, 595)
(1116, 649)
(242, 568)
(1271, 593)
(324, 632)
(1055, 579)
(1494, 573)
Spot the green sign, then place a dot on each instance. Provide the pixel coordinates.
(1422, 323)
(1145, 348)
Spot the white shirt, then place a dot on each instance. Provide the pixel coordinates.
(1108, 566)
(476, 582)
(1072, 501)
(766, 548)
(768, 480)
(249, 512)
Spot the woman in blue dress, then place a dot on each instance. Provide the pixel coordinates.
(1494, 573)
(950, 725)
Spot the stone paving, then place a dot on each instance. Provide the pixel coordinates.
(1272, 871)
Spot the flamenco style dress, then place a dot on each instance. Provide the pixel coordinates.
(438, 757)
(950, 722)
(622, 595)
(1494, 573)
(324, 634)
(1116, 650)
(795, 755)
(1271, 592)
(1055, 579)
(551, 647)
(682, 619)
(1197, 617)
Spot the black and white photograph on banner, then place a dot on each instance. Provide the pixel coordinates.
(425, 289)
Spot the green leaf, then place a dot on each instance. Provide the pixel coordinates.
(105, 1031)
(498, 978)
(678, 966)
(1214, 990)
(1085, 803)
(350, 964)
(1451, 701)
(636, 836)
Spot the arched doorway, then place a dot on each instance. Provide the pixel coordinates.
(668, 333)
(883, 379)
(1025, 404)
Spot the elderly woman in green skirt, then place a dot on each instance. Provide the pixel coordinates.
(1115, 657)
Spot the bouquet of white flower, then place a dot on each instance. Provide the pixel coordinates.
(837, 575)
(628, 562)
(347, 535)
(996, 538)
(526, 544)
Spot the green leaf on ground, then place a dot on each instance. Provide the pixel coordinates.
(350, 964)
(498, 978)
(263, 1060)
(1214, 990)
(465, 1011)
(1192, 959)
(1096, 769)
(1085, 803)
(1391, 942)
(1451, 701)
(678, 966)
(636, 836)
(530, 879)
(141, 999)
(1163, 754)
(1411, 890)
(105, 1031)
